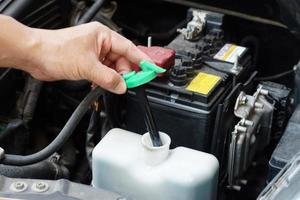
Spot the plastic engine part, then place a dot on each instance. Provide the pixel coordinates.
(15, 188)
(128, 164)
(287, 147)
(162, 57)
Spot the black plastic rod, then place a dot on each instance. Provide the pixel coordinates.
(149, 119)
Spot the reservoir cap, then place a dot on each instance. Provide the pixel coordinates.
(149, 72)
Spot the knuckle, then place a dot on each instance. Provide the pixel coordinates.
(96, 24)
(130, 47)
(102, 30)
(100, 26)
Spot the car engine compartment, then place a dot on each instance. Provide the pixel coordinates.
(231, 87)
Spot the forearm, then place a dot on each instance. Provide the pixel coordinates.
(89, 51)
(17, 43)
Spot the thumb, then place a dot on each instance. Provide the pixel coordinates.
(108, 79)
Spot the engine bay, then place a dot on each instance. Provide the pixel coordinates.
(231, 90)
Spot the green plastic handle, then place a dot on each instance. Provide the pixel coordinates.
(149, 72)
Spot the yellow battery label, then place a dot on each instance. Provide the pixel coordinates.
(203, 83)
(229, 53)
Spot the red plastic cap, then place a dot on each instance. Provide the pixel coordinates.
(162, 57)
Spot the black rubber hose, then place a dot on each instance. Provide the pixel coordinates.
(42, 170)
(61, 138)
(29, 101)
(12, 127)
(92, 11)
(74, 86)
(15, 9)
(276, 76)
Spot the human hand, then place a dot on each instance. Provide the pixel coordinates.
(89, 51)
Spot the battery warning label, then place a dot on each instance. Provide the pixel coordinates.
(203, 83)
(229, 52)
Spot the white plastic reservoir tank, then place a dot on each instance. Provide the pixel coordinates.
(127, 163)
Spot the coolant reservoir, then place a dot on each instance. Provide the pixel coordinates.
(127, 163)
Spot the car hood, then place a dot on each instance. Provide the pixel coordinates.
(283, 13)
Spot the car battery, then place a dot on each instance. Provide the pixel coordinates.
(184, 101)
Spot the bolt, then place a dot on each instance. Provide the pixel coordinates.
(18, 186)
(40, 187)
(243, 100)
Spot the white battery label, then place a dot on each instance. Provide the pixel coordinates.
(229, 53)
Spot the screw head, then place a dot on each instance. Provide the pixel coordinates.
(243, 100)
(18, 186)
(40, 186)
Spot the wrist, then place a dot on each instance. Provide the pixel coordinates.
(18, 44)
(30, 47)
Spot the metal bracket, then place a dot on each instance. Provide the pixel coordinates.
(195, 26)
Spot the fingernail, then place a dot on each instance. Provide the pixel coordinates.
(121, 87)
(124, 72)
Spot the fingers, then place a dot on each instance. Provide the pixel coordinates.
(105, 46)
(112, 56)
(123, 66)
(125, 48)
(114, 46)
(107, 78)
(114, 51)
(108, 63)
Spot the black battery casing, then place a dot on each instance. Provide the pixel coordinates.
(188, 117)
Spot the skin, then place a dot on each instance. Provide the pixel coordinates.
(90, 51)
